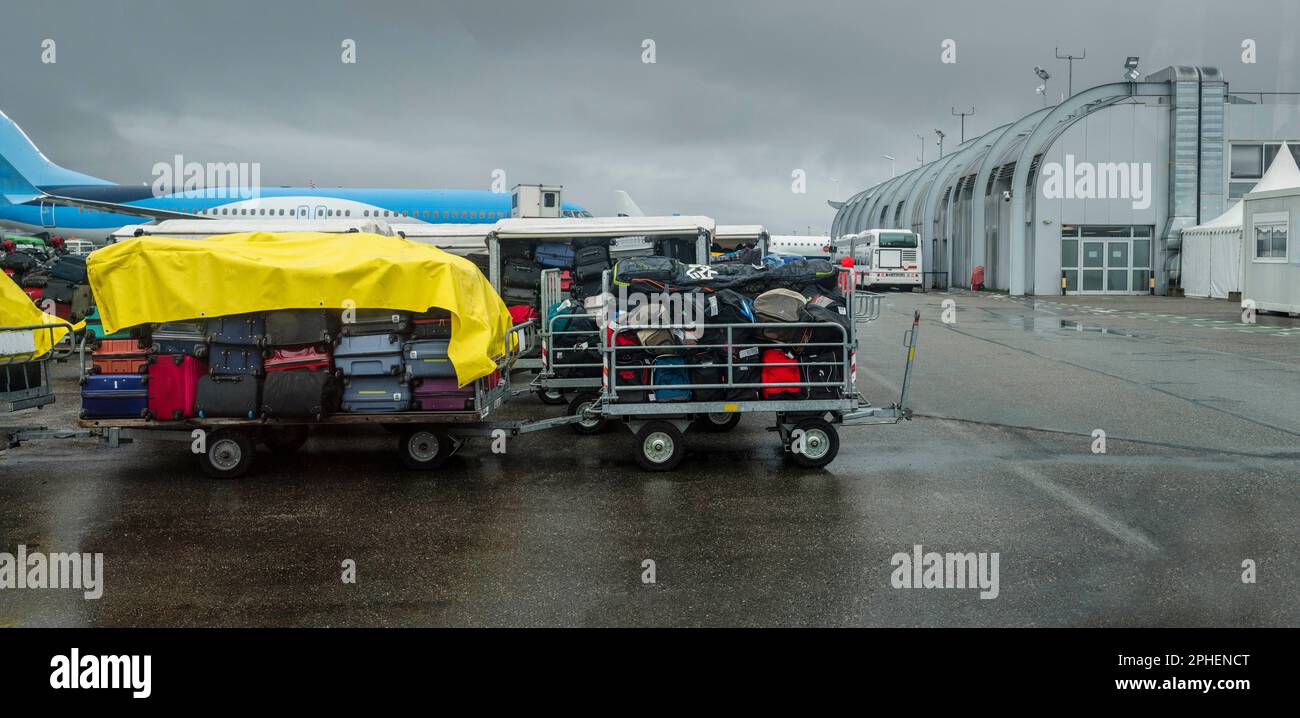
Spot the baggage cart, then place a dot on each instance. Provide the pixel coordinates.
(225, 447)
(806, 426)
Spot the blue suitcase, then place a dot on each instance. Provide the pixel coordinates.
(670, 370)
(238, 329)
(369, 355)
(428, 359)
(557, 255)
(376, 394)
(114, 396)
(225, 359)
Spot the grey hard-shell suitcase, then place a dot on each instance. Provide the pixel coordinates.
(185, 337)
(376, 394)
(369, 355)
(428, 358)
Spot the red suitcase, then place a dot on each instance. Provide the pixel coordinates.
(174, 385)
(780, 368)
(34, 293)
(63, 310)
(303, 357)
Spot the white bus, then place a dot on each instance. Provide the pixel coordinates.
(882, 257)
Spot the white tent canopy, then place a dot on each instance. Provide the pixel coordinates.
(1212, 251)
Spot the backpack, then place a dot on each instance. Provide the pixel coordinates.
(780, 305)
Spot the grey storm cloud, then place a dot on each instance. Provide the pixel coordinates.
(742, 93)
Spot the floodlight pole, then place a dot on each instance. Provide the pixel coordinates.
(963, 116)
(1069, 83)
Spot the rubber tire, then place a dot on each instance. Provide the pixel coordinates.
(586, 398)
(705, 422)
(218, 440)
(287, 439)
(825, 429)
(671, 432)
(556, 400)
(441, 452)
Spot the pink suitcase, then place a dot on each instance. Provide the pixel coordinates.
(174, 385)
(442, 395)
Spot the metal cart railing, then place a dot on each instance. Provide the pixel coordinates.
(25, 381)
(806, 425)
(570, 358)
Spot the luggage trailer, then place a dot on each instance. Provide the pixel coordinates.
(806, 426)
(225, 447)
(700, 230)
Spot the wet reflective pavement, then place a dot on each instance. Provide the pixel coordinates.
(1201, 472)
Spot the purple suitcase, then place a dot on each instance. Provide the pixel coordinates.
(442, 395)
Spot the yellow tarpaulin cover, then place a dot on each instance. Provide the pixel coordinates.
(17, 310)
(159, 279)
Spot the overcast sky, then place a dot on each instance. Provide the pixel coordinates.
(442, 93)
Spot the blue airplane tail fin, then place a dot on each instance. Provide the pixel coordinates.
(25, 172)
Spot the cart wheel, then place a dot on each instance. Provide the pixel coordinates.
(424, 447)
(287, 439)
(554, 397)
(718, 421)
(579, 405)
(229, 454)
(816, 445)
(659, 446)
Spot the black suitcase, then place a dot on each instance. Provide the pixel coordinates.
(234, 359)
(69, 268)
(377, 321)
(238, 329)
(822, 365)
(517, 250)
(433, 324)
(299, 394)
(745, 374)
(590, 262)
(59, 290)
(707, 368)
(234, 397)
(522, 275)
(516, 295)
(292, 327)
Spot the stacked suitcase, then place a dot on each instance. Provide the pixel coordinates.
(369, 358)
(299, 363)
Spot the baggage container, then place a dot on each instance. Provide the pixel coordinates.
(307, 358)
(225, 359)
(180, 338)
(375, 394)
(369, 355)
(248, 330)
(114, 396)
(119, 356)
(294, 327)
(299, 394)
(174, 385)
(442, 395)
(377, 321)
(428, 358)
(230, 396)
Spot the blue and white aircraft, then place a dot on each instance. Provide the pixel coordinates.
(37, 195)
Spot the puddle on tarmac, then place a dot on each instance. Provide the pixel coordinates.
(1046, 324)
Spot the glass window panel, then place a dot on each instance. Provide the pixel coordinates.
(1092, 279)
(1141, 253)
(1141, 278)
(1117, 254)
(1295, 151)
(1237, 190)
(1270, 152)
(1106, 231)
(1071, 280)
(1093, 254)
(1247, 161)
(1117, 279)
(1069, 252)
(1141, 231)
(1069, 230)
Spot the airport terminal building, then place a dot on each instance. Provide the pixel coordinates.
(1093, 192)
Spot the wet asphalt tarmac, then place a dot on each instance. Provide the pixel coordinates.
(1201, 472)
